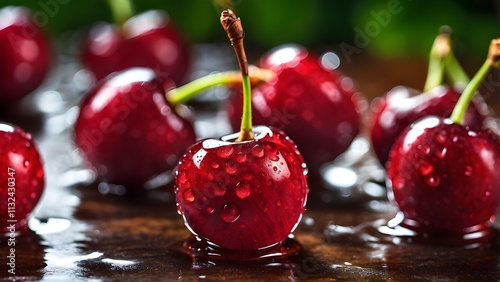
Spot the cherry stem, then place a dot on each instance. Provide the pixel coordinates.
(454, 70)
(493, 61)
(234, 29)
(122, 10)
(186, 92)
(441, 48)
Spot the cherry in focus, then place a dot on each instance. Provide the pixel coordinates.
(25, 54)
(22, 175)
(314, 106)
(147, 40)
(242, 195)
(128, 132)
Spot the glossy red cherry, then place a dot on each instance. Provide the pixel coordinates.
(128, 132)
(242, 195)
(314, 106)
(402, 106)
(25, 54)
(147, 40)
(444, 176)
(22, 178)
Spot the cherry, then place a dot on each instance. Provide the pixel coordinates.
(147, 40)
(128, 132)
(315, 106)
(22, 175)
(443, 173)
(26, 54)
(244, 191)
(402, 105)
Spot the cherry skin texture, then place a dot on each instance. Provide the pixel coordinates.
(402, 106)
(315, 106)
(22, 176)
(25, 54)
(128, 132)
(242, 195)
(146, 40)
(445, 176)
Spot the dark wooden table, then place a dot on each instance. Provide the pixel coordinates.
(86, 230)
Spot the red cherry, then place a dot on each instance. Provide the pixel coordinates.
(128, 132)
(402, 106)
(25, 54)
(22, 178)
(315, 106)
(145, 40)
(444, 176)
(242, 195)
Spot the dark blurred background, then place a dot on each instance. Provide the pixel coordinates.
(407, 31)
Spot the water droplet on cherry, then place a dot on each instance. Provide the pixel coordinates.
(243, 190)
(468, 170)
(440, 154)
(258, 151)
(230, 213)
(425, 149)
(188, 195)
(440, 137)
(398, 183)
(209, 209)
(433, 180)
(425, 168)
(215, 165)
(224, 151)
(232, 168)
(217, 190)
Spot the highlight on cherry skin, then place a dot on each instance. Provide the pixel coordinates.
(244, 195)
(315, 106)
(128, 132)
(26, 56)
(23, 178)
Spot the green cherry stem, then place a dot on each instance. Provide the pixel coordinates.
(440, 50)
(234, 29)
(493, 61)
(454, 71)
(186, 92)
(122, 10)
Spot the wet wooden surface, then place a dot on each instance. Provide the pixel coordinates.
(84, 231)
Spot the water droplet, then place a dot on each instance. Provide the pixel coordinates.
(455, 138)
(425, 168)
(216, 190)
(278, 203)
(188, 195)
(258, 151)
(215, 165)
(424, 149)
(433, 180)
(27, 164)
(224, 151)
(440, 137)
(441, 153)
(274, 158)
(209, 209)
(243, 190)
(232, 167)
(32, 195)
(468, 170)
(230, 213)
(241, 158)
(181, 177)
(398, 183)
(275, 168)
